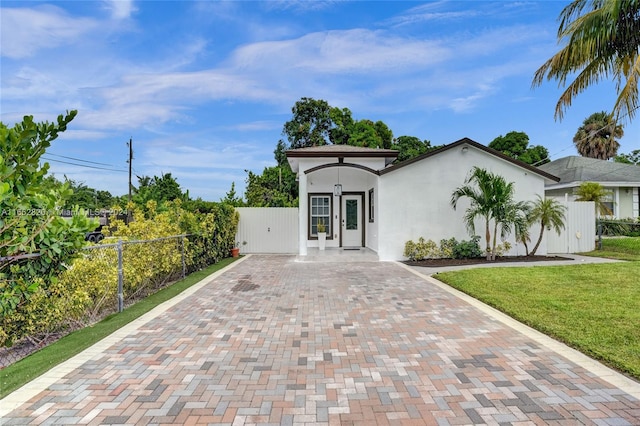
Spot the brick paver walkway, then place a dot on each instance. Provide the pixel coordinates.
(274, 341)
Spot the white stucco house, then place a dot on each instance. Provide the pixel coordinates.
(621, 180)
(366, 201)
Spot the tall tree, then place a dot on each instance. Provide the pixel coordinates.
(310, 123)
(491, 198)
(232, 198)
(596, 137)
(550, 214)
(602, 41)
(410, 146)
(632, 158)
(516, 145)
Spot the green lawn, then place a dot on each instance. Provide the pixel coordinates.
(594, 308)
(25, 370)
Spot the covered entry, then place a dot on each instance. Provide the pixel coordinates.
(352, 223)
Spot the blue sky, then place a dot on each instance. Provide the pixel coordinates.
(204, 88)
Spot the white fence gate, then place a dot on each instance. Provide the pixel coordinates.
(268, 230)
(579, 234)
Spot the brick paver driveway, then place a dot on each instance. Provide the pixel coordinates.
(274, 341)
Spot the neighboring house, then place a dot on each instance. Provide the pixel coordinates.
(365, 201)
(622, 180)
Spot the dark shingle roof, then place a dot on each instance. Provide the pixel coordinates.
(584, 169)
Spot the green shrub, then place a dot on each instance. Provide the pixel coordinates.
(447, 247)
(421, 250)
(468, 249)
(87, 289)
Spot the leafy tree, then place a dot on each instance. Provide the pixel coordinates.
(280, 154)
(596, 138)
(550, 214)
(632, 158)
(275, 187)
(593, 191)
(516, 145)
(602, 40)
(342, 126)
(36, 243)
(410, 146)
(310, 123)
(491, 198)
(160, 189)
(231, 197)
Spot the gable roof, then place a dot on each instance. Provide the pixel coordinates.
(340, 151)
(584, 169)
(479, 146)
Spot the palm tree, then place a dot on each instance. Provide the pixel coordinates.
(550, 214)
(593, 191)
(481, 202)
(596, 138)
(603, 42)
(491, 197)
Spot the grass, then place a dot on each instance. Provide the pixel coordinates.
(36, 364)
(594, 308)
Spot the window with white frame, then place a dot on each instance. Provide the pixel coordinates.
(319, 213)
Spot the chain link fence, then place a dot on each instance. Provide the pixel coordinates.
(106, 278)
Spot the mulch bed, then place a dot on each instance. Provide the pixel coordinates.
(437, 263)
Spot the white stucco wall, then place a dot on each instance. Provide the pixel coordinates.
(323, 181)
(415, 199)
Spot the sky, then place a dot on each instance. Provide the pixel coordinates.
(204, 88)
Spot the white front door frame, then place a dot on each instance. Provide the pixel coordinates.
(352, 237)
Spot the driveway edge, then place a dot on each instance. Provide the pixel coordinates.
(22, 395)
(596, 368)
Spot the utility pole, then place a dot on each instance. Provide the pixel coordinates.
(130, 144)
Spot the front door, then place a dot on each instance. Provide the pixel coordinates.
(352, 226)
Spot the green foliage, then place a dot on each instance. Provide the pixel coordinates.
(632, 158)
(602, 40)
(516, 145)
(421, 250)
(451, 248)
(468, 249)
(620, 227)
(310, 123)
(596, 137)
(36, 244)
(231, 198)
(87, 289)
(593, 191)
(491, 197)
(160, 189)
(447, 247)
(409, 147)
(549, 213)
(275, 187)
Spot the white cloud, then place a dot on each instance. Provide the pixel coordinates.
(120, 9)
(26, 31)
(357, 51)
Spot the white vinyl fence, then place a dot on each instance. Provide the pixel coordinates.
(579, 234)
(268, 230)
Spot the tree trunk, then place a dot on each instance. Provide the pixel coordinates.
(488, 239)
(495, 237)
(535, 248)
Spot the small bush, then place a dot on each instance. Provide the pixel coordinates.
(447, 247)
(421, 250)
(468, 249)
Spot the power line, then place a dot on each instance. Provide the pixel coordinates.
(78, 159)
(84, 165)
